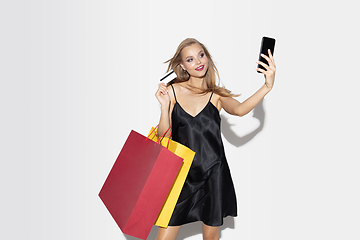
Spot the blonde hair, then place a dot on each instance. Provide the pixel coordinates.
(210, 75)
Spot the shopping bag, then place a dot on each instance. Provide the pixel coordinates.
(188, 155)
(138, 184)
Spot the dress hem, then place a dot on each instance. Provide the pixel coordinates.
(211, 225)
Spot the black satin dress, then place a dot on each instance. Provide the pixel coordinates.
(208, 194)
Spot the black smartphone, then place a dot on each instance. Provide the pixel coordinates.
(266, 43)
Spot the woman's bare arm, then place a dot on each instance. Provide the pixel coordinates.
(234, 107)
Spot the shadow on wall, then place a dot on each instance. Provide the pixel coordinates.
(195, 228)
(234, 139)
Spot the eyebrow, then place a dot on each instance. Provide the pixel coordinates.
(198, 53)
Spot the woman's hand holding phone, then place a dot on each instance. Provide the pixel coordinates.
(269, 69)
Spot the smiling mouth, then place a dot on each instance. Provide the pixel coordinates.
(200, 68)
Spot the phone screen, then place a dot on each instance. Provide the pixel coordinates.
(266, 43)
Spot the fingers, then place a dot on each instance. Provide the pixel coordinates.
(261, 70)
(270, 60)
(162, 89)
(263, 64)
(271, 56)
(162, 95)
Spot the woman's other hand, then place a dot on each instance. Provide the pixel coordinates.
(162, 95)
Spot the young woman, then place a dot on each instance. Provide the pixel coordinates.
(190, 104)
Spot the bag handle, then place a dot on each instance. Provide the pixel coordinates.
(162, 137)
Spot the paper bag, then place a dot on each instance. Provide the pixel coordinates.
(138, 184)
(188, 155)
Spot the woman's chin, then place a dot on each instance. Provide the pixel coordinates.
(201, 74)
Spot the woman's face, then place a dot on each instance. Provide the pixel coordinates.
(194, 60)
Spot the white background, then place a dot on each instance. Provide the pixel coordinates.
(77, 76)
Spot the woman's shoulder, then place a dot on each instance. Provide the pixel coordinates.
(177, 87)
(215, 99)
(177, 84)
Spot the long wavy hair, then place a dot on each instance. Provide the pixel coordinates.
(210, 75)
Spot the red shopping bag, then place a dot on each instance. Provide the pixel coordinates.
(138, 184)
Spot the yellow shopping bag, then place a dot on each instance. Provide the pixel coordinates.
(188, 155)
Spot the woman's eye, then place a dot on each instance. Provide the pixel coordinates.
(189, 60)
(202, 54)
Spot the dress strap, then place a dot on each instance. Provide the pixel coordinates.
(211, 96)
(173, 92)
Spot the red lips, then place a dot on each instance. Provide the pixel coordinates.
(200, 68)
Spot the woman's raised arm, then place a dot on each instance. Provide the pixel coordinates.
(234, 107)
